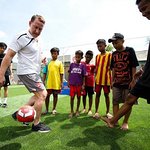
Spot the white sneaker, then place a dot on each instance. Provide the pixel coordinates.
(109, 116)
(54, 112)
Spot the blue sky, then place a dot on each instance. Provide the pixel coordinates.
(76, 24)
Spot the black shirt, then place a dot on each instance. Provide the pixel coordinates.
(145, 79)
(8, 72)
(122, 62)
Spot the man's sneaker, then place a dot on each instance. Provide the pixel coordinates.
(40, 128)
(4, 105)
(25, 123)
(14, 115)
(0, 104)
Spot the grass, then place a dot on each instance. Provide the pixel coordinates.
(82, 133)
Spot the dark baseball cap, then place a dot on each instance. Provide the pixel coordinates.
(3, 45)
(115, 37)
(101, 41)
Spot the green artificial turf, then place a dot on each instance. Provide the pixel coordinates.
(82, 133)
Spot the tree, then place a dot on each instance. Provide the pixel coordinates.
(109, 48)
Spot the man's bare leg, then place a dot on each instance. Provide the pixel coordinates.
(125, 108)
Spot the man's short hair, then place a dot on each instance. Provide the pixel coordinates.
(138, 1)
(41, 19)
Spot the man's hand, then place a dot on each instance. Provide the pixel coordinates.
(2, 80)
(44, 61)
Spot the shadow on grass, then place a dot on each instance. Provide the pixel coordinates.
(49, 118)
(79, 121)
(15, 146)
(12, 132)
(101, 136)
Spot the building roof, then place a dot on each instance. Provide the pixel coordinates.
(141, 55)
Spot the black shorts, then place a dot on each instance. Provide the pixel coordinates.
(7, 81)
(141, 91)
(89, 90)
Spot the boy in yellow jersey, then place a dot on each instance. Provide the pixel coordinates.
(53, 74)
(102, 77)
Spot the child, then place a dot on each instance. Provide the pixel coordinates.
(76, 81)
(54, 73)
(142, 86)
(123, 64)
(102, 77)
(8, 72)
(89, 81)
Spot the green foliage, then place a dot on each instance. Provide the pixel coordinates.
(109, 48)
(82, 133)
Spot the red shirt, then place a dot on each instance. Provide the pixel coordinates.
(89, 78)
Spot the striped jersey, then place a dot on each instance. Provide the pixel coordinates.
(103, 72)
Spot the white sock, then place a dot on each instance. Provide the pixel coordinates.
(0, 100)
(5, 100)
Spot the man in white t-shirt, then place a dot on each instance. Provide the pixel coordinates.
(27, 46)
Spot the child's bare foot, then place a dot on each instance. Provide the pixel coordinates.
(83, 111)
(70, 115)
(106, 120)
(96, 116)
(54, 112)
(125, 126)
(77, 114)
(90, 113)
(109, 115)
(45, 113)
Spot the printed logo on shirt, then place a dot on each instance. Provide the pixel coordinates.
(76, 70)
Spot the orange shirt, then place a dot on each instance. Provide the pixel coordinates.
(103, 72)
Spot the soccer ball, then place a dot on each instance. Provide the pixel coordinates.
(26, 114)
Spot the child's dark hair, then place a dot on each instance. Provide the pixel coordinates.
(79, 52)
(101, 41)
(3, 45)
(55, 49)
(89, 52)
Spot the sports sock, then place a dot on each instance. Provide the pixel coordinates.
(5, 100)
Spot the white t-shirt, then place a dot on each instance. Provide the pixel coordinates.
(29, 56)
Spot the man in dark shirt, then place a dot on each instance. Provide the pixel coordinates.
(141, 88)
(3, 47)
